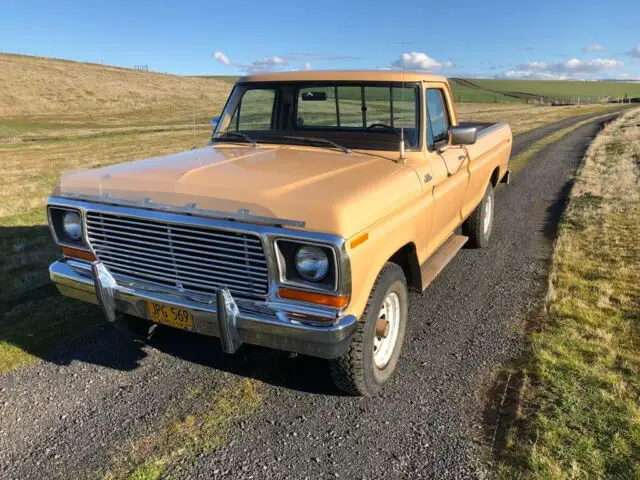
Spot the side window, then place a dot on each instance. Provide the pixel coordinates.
(438, 125)
(255, 110)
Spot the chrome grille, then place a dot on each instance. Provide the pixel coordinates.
(185, 257)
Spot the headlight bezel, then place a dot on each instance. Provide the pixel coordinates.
(286, 250)
(56, 224)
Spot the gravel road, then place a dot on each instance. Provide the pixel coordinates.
(65, 417)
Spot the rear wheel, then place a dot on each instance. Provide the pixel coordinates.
(479, 225)
(373, 354)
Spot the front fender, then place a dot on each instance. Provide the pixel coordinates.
(408, 225)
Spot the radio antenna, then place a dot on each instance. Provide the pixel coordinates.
(402, 156)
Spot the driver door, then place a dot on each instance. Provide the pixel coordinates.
(449, 167)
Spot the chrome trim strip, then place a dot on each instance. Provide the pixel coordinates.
(492, 128)
(189, 209)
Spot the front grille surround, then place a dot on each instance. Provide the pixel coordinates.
(191, 259)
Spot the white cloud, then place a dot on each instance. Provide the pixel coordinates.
(264, 64)
(593, 47)
(571, 68)
(533, 75)
(278, 62)
(420, 61)
(635, 52)
(269, 61)
(221, 57)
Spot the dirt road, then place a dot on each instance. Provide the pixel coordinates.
(68, 417)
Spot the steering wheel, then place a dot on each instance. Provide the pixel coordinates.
(383, 125)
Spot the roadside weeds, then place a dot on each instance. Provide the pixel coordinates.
(181, 440)
(518, 162)
(576, 411)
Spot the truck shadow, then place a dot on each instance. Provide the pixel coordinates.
(36, 321)
(295, 372)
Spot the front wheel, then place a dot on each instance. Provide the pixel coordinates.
(479, 225)
(373, 354)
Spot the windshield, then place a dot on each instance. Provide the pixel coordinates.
(366, 116)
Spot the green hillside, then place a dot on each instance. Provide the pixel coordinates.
(563, 89)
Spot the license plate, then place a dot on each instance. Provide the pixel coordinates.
(168, 315)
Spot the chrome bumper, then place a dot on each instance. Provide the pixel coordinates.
(242, 322)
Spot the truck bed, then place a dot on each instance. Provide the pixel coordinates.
(483, 127)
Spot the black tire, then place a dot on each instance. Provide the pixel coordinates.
(474, 226)
(356, 372)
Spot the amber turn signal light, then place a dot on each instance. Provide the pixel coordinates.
(337, 301)
(79, 254)
(359, 240)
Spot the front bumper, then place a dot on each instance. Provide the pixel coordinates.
(265, 324)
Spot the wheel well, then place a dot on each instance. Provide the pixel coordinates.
(407, 259)
(495, 177)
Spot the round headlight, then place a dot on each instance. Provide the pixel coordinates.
(72, 226)
(312, 263)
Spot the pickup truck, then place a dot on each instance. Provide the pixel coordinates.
(320, 201)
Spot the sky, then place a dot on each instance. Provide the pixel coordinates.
(506, 39)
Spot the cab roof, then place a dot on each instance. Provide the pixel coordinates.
(344, 75)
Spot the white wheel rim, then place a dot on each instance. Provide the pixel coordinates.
(488, 213)
(383, 347)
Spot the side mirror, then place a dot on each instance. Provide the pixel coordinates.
(463, 135)
(214, 121)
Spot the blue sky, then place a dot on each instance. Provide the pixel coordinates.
(533, 39)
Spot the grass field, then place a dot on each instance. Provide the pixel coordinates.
(41, 97)
(560, 89)
(57, 126)
(465, 94)
(564, 89)
(579, 412)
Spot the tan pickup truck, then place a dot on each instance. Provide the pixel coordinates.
(322, 198)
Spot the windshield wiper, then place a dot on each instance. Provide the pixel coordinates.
(239, 135)
(318, 140)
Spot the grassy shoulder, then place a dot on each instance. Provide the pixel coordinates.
(518, 162)
(579, 410)
(181, 439)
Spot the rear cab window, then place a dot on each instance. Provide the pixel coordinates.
(346, 107)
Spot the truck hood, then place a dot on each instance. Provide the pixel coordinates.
(329, 191)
